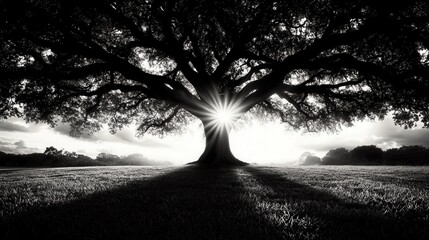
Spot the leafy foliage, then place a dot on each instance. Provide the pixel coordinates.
(52, 157)
(372, 155)
(407, 155)
(337, 156)
(46, 160)
(367, 154)
(308, 158)
(314, 64)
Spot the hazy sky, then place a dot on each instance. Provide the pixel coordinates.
(253, 142)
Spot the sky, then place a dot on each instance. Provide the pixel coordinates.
(254, 142)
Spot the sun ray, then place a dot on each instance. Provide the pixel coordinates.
(224, 114)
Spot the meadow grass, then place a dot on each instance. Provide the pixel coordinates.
(252, 202)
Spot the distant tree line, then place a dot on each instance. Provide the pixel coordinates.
(370, 155)
(132, 159)
(53, 157)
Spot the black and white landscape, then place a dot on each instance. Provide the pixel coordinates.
(226, 119)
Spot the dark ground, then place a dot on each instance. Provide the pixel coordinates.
(199, 203)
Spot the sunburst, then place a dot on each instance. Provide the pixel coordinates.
(223, 114)
(220, 112)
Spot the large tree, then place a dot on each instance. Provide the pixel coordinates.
(315, 64)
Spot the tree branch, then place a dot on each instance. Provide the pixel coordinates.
(248, 76)
(158, 123)
(52, 72)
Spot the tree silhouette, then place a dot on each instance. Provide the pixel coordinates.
(366, 155)
(313, 64)
(53, 151)
(407, 155)
(339, 156)
(308, 158)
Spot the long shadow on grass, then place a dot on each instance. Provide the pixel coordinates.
(187, 203)
(330, 217)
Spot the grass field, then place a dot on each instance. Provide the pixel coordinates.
(252, 202)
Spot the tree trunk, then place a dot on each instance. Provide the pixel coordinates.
(217, 151)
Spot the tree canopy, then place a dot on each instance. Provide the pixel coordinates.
(314, 64)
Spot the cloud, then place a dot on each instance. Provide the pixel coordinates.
(326, 144)
(62, 128)
(20, 144)
(384, 134)
(10, 126)
(18, 147)
(22, 148)
(6, 147)
(390, 134)
(253, 143)
(37, 137)
(126, 135)
(410, 137)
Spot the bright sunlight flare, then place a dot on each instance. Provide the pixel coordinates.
(224, 116)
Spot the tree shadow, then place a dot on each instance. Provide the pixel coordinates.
(187, 203)
(210, 203)
(7, 171)
(337, 218)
